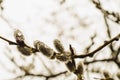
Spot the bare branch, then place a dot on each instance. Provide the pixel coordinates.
(113, 59)
(98, 49)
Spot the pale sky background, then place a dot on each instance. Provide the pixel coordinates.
(73, 22)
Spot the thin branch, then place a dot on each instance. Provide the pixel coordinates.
(55, 75)
(108, 32)
(104, 60)
(92, 43)
(116, 58)
(10, 42)
(98, 49)
(113, 59)
(14, 43)
(107, 26)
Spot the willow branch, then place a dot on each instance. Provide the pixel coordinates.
(14, 43)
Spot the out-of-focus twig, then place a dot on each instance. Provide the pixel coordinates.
(92, 43)
(108, 33)
(108, 14)
(113, 59)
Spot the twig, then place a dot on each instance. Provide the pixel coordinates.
(107, 13)
(92, 43)
(14, 43)
(55, 75)
(107, 26)
(104, 60)
(108, 32)
(10, 42)
(98, 49)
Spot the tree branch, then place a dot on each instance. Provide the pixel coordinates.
(14, 43)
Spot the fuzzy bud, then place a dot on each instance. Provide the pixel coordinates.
(65, 56)
(25, 50)
(79, 71)
(70, 66)
(47, 51)
(106, 74)
(58, 45)
(19, 36)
